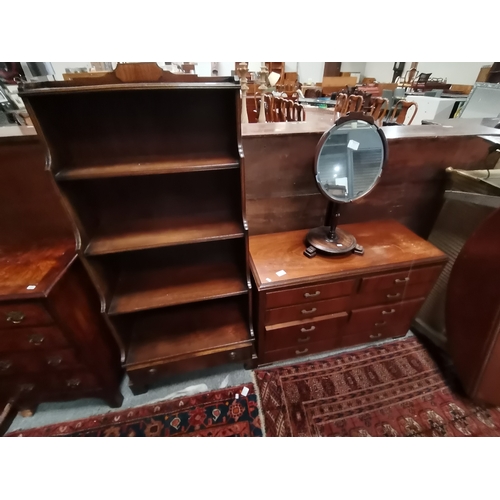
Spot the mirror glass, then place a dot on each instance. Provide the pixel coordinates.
(350, 161)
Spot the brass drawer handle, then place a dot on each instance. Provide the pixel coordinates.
(310, 311)
(36, 339)
(306, 339)
(310, 329)
(26, 387)
(15, 317)
(315, 294)
(72, 383)
(5, 365)
(392, 311)
(404, 280)
(55, 361)
(381, 323)
(152, 371)
(376, 336)
(393, 295)
(298, 353)
(232, 355)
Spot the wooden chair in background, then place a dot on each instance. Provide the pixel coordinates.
(380, 107)
(341, 103)
(354, 104)
(403, 108)
(299, 114)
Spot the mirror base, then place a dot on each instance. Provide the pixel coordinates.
(319, 238)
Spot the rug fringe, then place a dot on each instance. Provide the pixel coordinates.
(259, 404)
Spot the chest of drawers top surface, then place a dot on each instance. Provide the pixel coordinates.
(387, 245)
(30, 274)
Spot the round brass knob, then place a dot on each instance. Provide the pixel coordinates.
(152, 371)
(232, 355)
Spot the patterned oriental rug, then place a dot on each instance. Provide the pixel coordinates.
(394, 389)
(217, 413)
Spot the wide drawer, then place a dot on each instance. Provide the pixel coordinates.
(148, 375)
(303, 311)
(19, 362)
(309, 293)
(304, 332)
(398, 280)
(38, 338)
(382, 297)
(383, 317)
(22, 314)
(296, 352)
(371, 336)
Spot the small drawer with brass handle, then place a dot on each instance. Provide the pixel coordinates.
(309, 311)
(303, 339)
(20, 314)
(304, 351)
(302, 295)
(31, 338)
(319, 328)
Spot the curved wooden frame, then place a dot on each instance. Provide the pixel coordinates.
(405, 106)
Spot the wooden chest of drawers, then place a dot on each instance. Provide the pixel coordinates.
(306, 306)
(54, 343)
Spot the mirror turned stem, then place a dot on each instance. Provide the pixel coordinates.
(331, 219)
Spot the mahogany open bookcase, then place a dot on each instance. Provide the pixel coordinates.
(152, 175)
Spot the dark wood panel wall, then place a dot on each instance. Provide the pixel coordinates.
(282, 195)
(280, 188)
(30, 209)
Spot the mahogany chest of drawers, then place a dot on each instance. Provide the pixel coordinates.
(306, 306)
(54, 343)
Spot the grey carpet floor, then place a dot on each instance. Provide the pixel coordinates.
(192, 383)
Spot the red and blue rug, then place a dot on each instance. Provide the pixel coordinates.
(220, 413)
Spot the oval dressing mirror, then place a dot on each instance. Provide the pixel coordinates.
(349, 161)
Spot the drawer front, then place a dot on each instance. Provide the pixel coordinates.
(15, 363)
(41, 338)
(382, 297)
(307, 294)
(302, 333)
(398, 280)
(303, 311)
(73, 381)
(383, 317)
(371, 336)
(146, 376)
(21, 314)
(296, 352)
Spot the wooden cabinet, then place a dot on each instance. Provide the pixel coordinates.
(54, 343)
(152, 176)
(306, 306)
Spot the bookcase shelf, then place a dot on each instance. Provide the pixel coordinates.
(152, 177)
